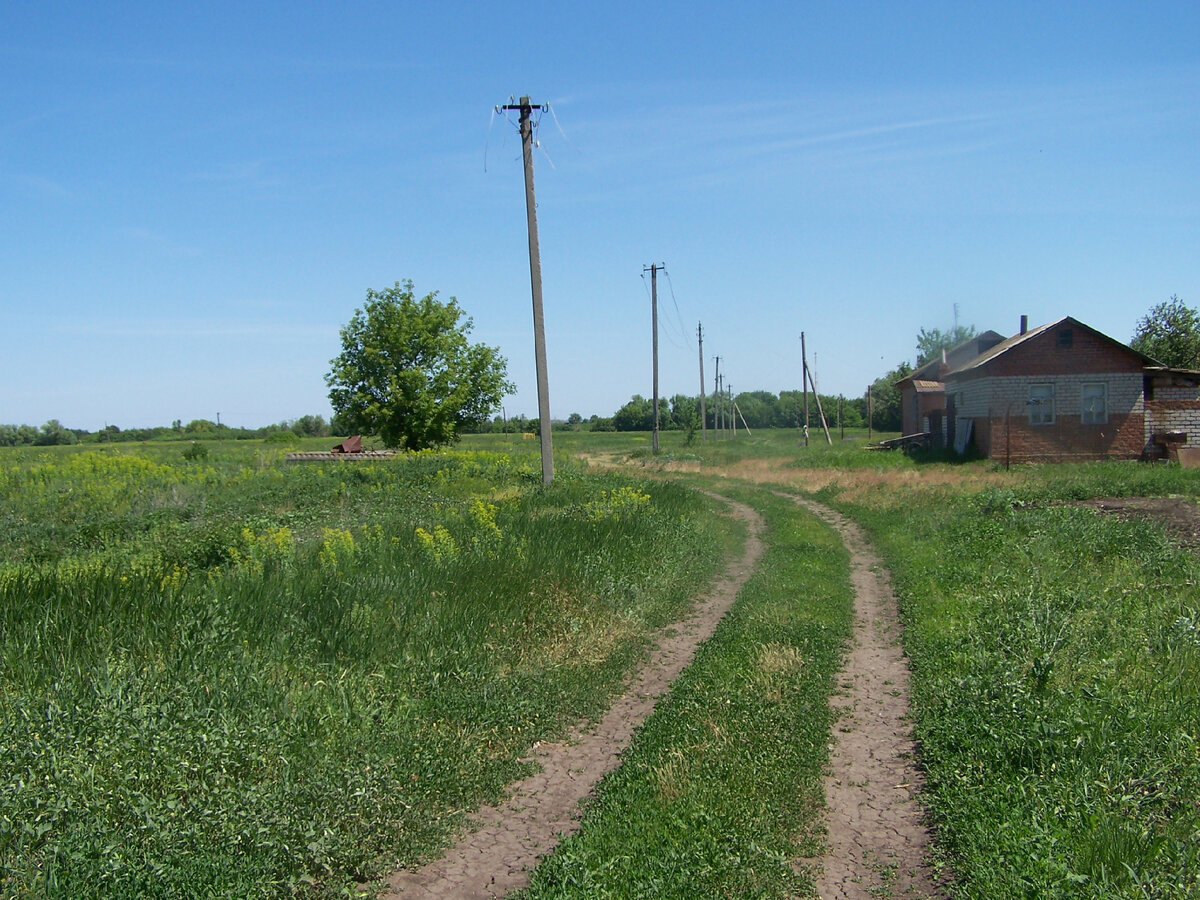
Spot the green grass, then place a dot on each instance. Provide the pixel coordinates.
(1056, 660)
(231, 676)
(721, 791)
(772, 443)
(243, 678)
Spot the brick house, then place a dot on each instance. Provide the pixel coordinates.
(923, 393)
(1063, 391)
(1172, 402)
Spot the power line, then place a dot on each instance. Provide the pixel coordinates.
(675, 303)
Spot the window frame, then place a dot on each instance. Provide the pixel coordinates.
(1039, 404)
(1091, 418)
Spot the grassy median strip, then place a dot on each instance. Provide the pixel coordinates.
(721, 792)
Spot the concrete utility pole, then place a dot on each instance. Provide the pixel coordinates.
(654, 343)
(732, 411)
(703, 412)
(535, 277)
(717, 399)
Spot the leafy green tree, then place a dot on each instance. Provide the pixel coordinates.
(408, 373)
(54, 432)
(885, 399)
(789, 410)
(599, 423)
(852, 414)
(1170, 333)
(311, 426)
(685, 413)
(759, 409)
(636, 415)
(931, 342)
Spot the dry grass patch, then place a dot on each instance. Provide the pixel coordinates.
(858, 485)
(776, 664)
(579, 636)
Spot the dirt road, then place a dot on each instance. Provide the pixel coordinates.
(497, 857)
(878, 845)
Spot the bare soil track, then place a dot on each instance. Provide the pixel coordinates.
(878, 843)
(509, 840)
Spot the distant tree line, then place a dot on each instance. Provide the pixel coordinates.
(55, 433)
(756, 409)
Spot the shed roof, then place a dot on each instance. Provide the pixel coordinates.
(961, 352)
(928, 387)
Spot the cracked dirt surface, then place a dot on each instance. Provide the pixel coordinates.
(879, 845)
(508, 840)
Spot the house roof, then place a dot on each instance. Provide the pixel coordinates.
(965, 351)
(1189, 375)
(1016, 340)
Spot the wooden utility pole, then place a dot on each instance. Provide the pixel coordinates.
(732, 420)
(535, 277)
(654, 342)
(820, 412)
(738, 410)
(703, 411)
(804, 381)
(717, 400)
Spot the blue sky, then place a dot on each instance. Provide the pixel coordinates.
(197, 197)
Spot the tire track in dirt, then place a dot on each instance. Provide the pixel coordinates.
(508, 840)
(879, 845)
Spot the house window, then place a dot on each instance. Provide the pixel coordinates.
(1094, 404)
(1066, 338)
(1041, 404)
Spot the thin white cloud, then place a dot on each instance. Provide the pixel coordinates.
(41, 187)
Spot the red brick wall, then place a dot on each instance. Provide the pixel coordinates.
(1088, 353)
(1123, 437)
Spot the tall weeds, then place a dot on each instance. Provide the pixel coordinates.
(261, 680)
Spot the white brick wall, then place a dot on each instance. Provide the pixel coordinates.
(1186, 420)
(995, 397)
(1174, 392)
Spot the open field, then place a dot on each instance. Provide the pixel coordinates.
(232, 676)
(240, 678)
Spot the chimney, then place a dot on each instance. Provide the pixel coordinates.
(1024, 324)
